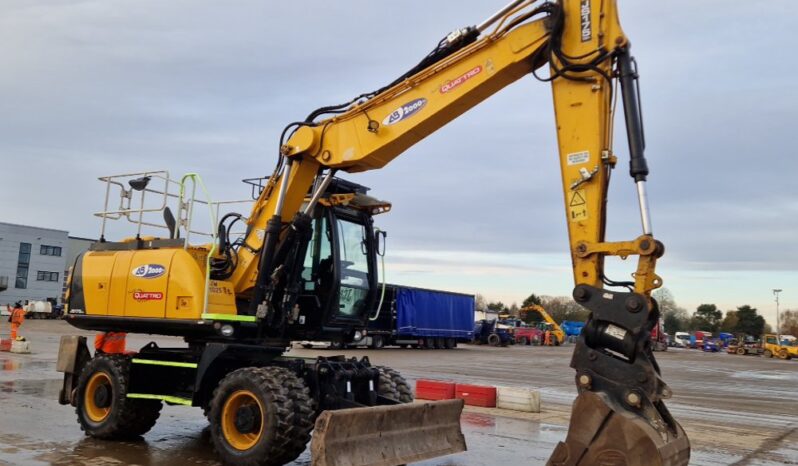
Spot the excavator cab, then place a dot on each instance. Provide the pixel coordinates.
(339, 277)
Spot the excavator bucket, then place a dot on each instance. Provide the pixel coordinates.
(599, 434)
(388, 435)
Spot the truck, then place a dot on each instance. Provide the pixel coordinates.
(698, 338)
(659, 339)
(543, 321)
(772, 347)
(743, 345)
(39, 310)
(681, 340)
(523, 333)
(420, 318)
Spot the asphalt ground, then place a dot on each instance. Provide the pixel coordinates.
(737, 410)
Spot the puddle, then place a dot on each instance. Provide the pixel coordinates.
(39, 388)
(767, 375)
(15, 364)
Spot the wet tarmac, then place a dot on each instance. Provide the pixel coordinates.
(737, 410)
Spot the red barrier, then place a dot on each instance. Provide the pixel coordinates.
(476, 395)
(434, 390)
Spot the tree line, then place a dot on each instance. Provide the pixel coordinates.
(707, 317)
(560, 308)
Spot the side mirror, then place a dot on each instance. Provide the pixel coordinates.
(379, 241)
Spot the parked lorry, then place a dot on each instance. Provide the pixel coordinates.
(417, 317)
(698, 338)
(659, 339)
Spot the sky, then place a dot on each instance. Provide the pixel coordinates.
(92, 88)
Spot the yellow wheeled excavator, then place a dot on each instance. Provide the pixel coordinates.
(305, 268)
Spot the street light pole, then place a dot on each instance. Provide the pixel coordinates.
(778, 327)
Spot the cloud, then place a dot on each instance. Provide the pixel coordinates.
(92, 88)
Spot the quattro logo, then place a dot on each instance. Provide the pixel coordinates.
(149, 271)
(456, 82)
(405, 111)
(147, 295)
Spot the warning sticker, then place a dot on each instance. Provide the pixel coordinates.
(615, 332)
(578, 157)
(577, 206)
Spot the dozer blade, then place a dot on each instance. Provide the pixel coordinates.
(388, 435)
(599, 435)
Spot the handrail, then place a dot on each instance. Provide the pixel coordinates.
(197, 180)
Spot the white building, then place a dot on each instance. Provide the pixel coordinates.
(34, 262)
(31, 263)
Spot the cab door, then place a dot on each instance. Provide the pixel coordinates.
(356, 271)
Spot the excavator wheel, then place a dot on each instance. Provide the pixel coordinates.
(304, 414)
(104, 410)
(393, 385)
(260, 416)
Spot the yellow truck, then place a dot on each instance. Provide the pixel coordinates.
(545, 322)
(772, 348)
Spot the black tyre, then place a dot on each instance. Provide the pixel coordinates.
(440, 343)
(494, 340)
(260, 417)
(523, 341)
(104, 410)
(392, 385)
(304, 414)
(741, 351)
(449, 343)
(767, 354)
(377, 342)
(429, 343)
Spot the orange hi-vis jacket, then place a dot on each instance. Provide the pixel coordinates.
(110, 342)
(17, 316)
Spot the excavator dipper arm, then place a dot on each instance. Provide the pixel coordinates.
(619, 416)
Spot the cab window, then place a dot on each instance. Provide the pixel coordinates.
(354, 268)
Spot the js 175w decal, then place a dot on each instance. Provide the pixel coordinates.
(405, 111)
(587, 27)
(149, 271)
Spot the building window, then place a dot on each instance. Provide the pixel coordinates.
(46, 276)
(50, 250)
(22, 266)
